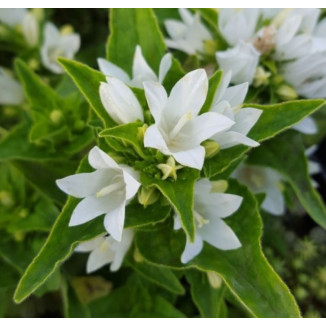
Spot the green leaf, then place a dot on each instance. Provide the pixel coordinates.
(207, 299)
(286, 154)
(161, 276)
(245, 270)
(180, 194)
(88, 82)
(274, 119)
(132, 27)
(214, 82)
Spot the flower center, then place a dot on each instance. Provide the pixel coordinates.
(200, 220)
(180, 124)
(265, 40)
(108, 190)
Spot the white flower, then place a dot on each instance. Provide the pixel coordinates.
(21, 17)
(120, 102)
(263, 180)
(11, 91)
(178, 130)
(57, 45)
(106, 250)
(242, 60)
(141, 71)
(209, 210)
(189, 35)
(237, 24)
(105, 191)
(228, 101)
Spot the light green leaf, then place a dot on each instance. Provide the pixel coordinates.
(245, 270)
(275, 119)
(208, 300)
(88, 82)
(132, 27)
(161, 276)
(180, 194)
(286, 154)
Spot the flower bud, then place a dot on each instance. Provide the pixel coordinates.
(214, 280)
(148, 196)
(38, 13)
(56, 117)
(6, 199)
(286, 93)
(19, 236)
(219, 186)
(300, 293)
(210, 47)
(211, 148)
(23, 213)
(141, 132)
(33, 64)
(79, 126)
(138, 258)
(66, 30)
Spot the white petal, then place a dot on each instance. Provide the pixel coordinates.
(177, 222)
(86, 184)
(121, 249)
(175, 29)
(235, 95)
(100, 160)
(194, 158)
(12, 16)
(154, 139)
(217, 205)
(274, 201)
(120, 102)
(141, 71)
(90, 245)
(226, 78)
(188, 94)
(11, 91)
(287, 31)
(232, 138)
(156, 98)
(307, 126)
(203, 127)
(186, 16)
(114, 221)
(132, 185)
(70, 44)
(91, 207)
(98, 258)
(219, 235)
(192, 249)
(245, 119)
(110, 69)
(30, 29)
(165, 66)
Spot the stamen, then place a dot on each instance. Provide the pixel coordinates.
(200, 220)
(182, 121)
(107, 190)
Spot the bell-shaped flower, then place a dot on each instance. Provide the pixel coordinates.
(187, 35)
(14, 17)
(120, 102)
(141, 71)
(106, 250)
(228, 101)
(179, 130)
(263, 180)
(210, 208)
(242, 60)
(57, 45)
(104, 191)
(237, 24)
(11, 91)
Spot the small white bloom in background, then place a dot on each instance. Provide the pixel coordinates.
(105, 191)
(14, 17)
(141, 71)
(313, 167)
(189, 35)
(228, 101)
(263, 180)
(307, 126)
(11, 92)
(57, 45)
(179, 130)
(209, 210)
(120, 102)
(106, 250)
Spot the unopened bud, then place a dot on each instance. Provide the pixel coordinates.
(3, 31)
(6, 199)
(38, 13)
(137, 256)
(211, 148)
(214, 280)
(19, 236)
(23, 213)
(33, 64)
(56, 117)
(66, 30)
(79, 126)
(219, 186)
(301, 293)
(141, 132)
(210, 47)
(148, 196)
(286, 93)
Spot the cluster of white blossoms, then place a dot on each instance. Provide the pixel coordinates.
(178, 132)
(55, 43)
